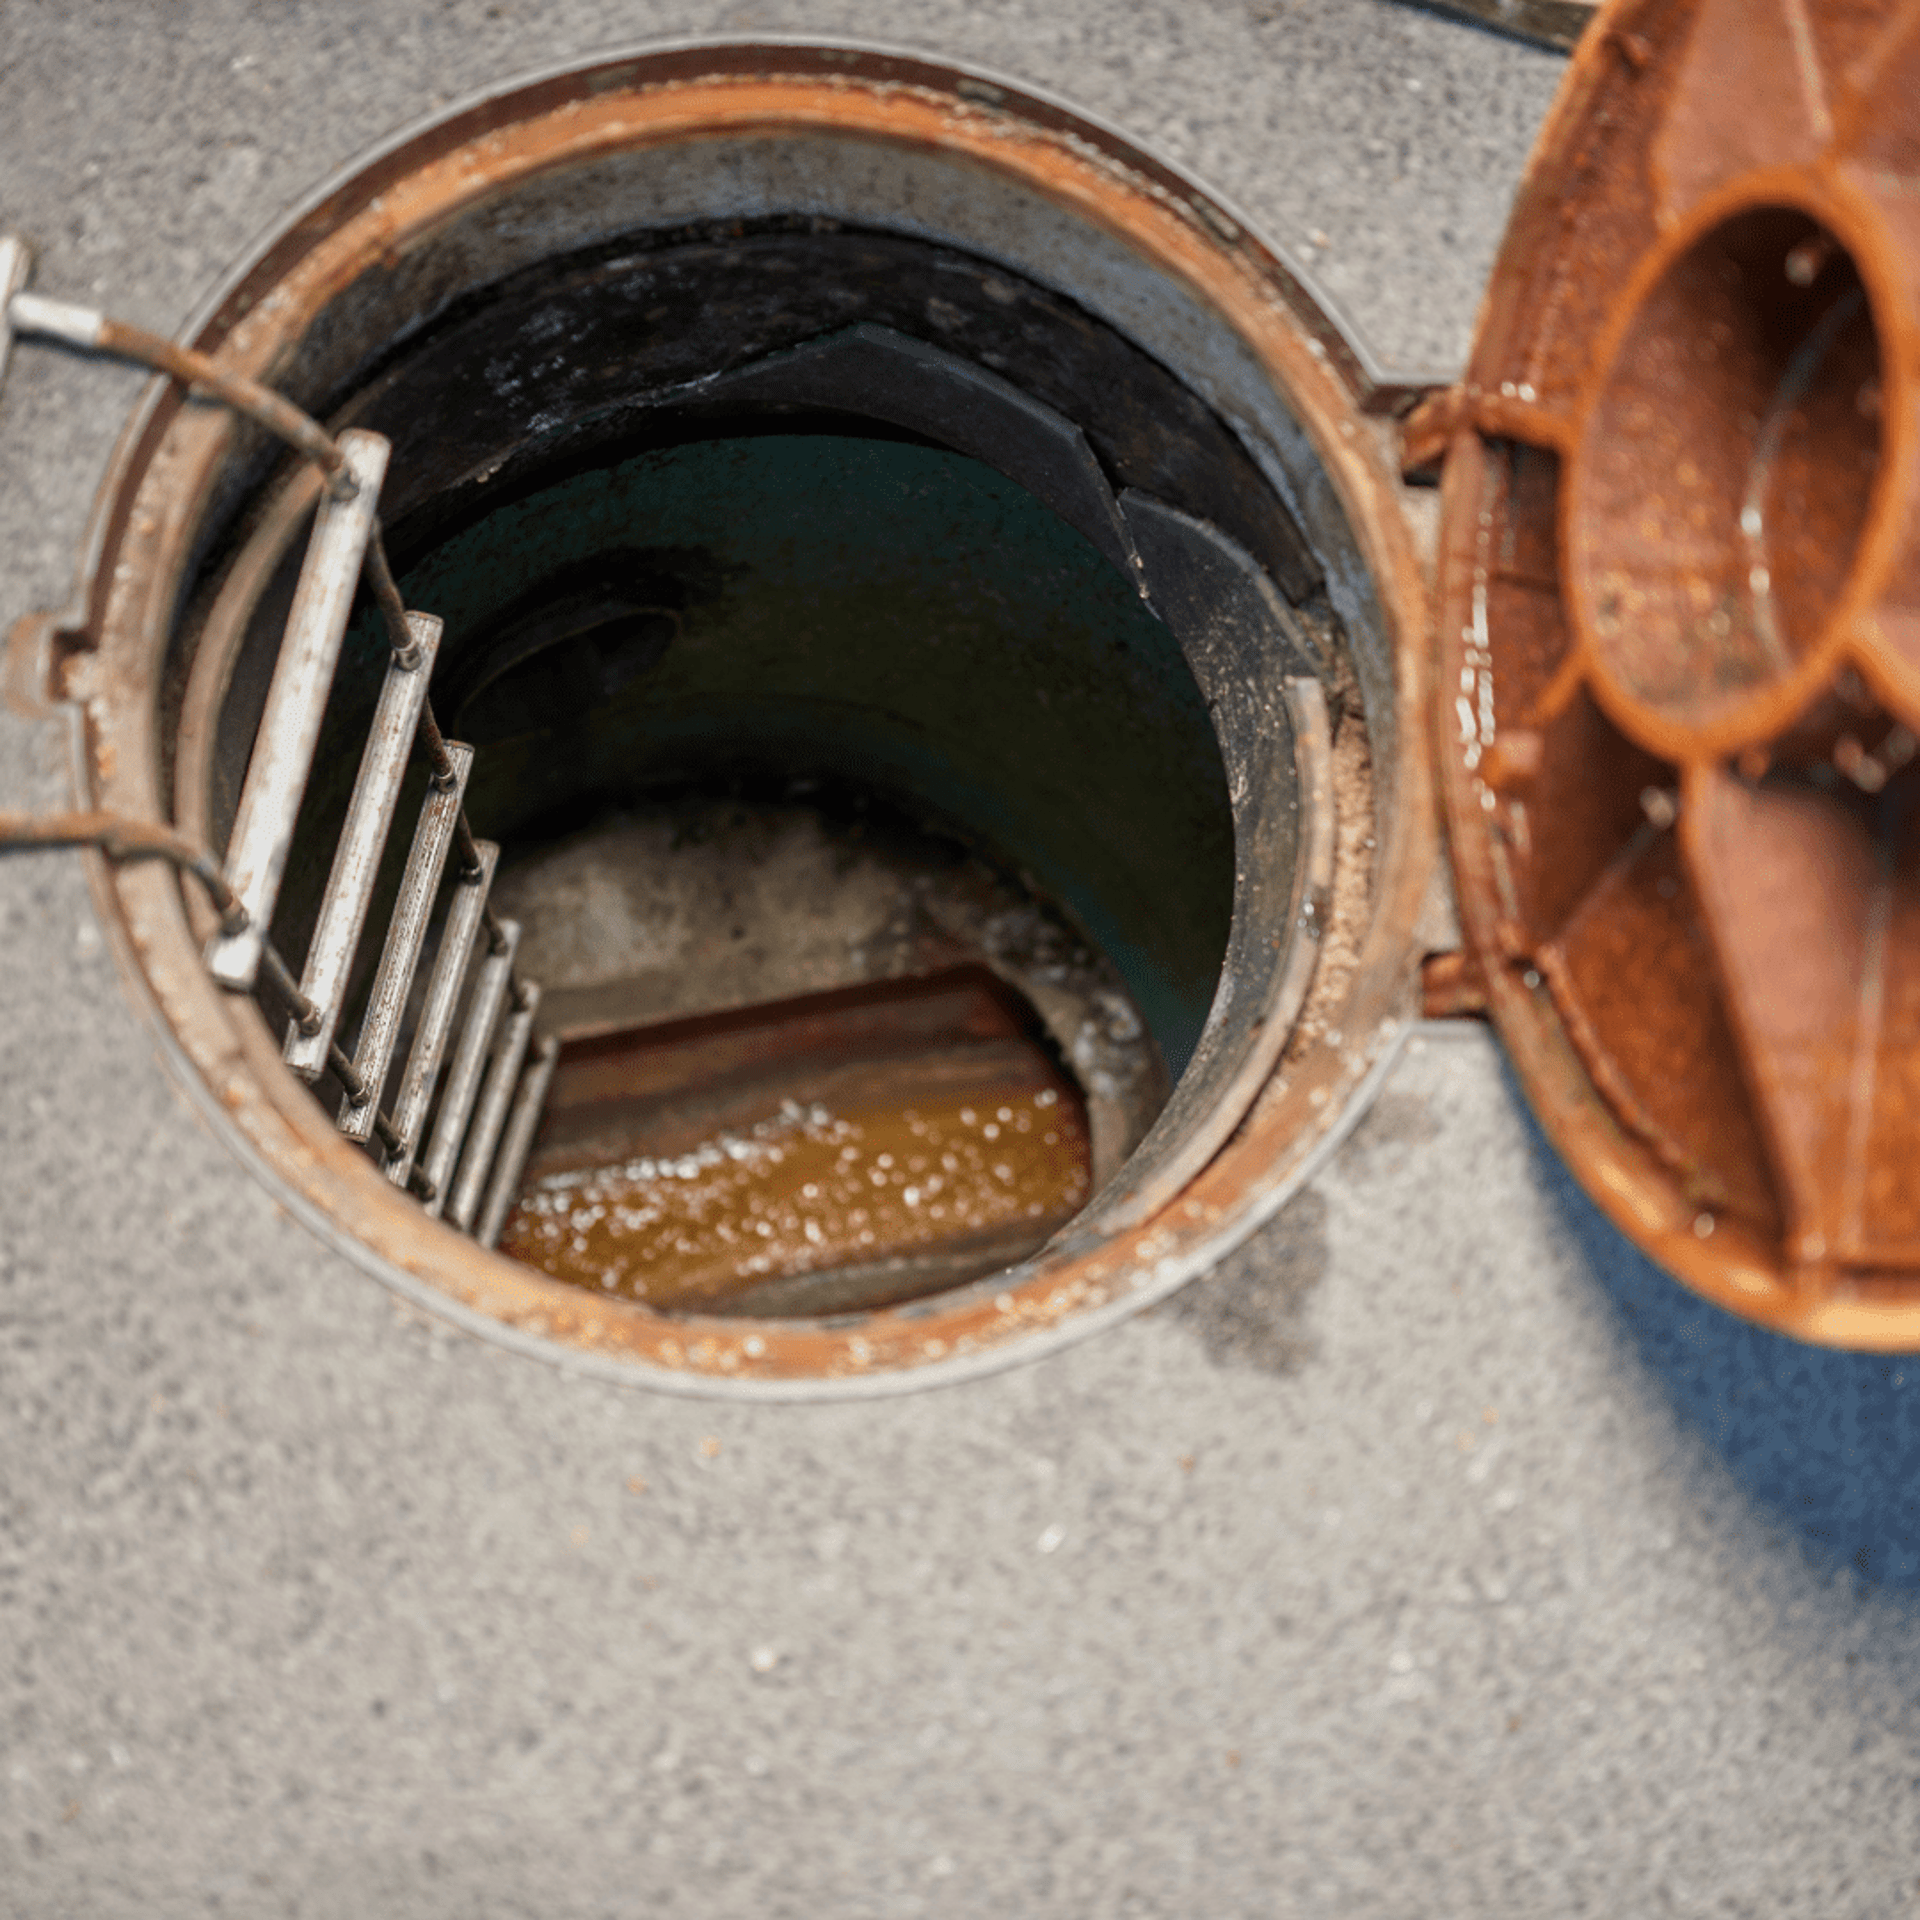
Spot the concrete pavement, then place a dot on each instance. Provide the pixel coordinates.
(1433, 1557)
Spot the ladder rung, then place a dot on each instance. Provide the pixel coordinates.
(469, 1062)
(400, 957)
(363, 839)
(517, 1142)
(491, 1114)
(296, 702)
(449, 975)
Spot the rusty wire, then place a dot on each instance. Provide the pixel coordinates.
(122, 838)
(259, 403)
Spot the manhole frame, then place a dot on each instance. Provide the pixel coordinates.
(101, 662)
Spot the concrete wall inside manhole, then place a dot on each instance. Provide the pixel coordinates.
(842, 604)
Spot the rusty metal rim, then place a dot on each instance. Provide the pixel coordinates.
(145, 524)
(1769, 708)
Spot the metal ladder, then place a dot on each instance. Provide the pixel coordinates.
(467, 1169)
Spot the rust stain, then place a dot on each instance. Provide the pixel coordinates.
(1452, 986)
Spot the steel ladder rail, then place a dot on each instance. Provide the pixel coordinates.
(486, 1135)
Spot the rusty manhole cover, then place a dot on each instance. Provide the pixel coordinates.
(1680, 648)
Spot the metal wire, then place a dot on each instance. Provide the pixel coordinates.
(307, 1017)
(406, 653)
(121, 838)
(95, 332)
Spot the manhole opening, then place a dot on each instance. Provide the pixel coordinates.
(885, 568)
(767, 702)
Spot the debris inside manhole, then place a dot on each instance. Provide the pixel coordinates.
(694, 904)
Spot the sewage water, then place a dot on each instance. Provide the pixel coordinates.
(835, 1151)
(815, 1189)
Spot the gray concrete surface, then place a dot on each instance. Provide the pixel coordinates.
(1433, 1557)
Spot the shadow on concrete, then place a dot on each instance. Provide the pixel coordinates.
(1829, 1442)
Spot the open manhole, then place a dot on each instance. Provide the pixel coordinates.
(936, 629)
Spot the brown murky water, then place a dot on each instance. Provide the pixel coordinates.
(841, 1171)
(810, 1189)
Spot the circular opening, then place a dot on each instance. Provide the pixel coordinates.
(1727, 467)
(775, 691)
(918, 650)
